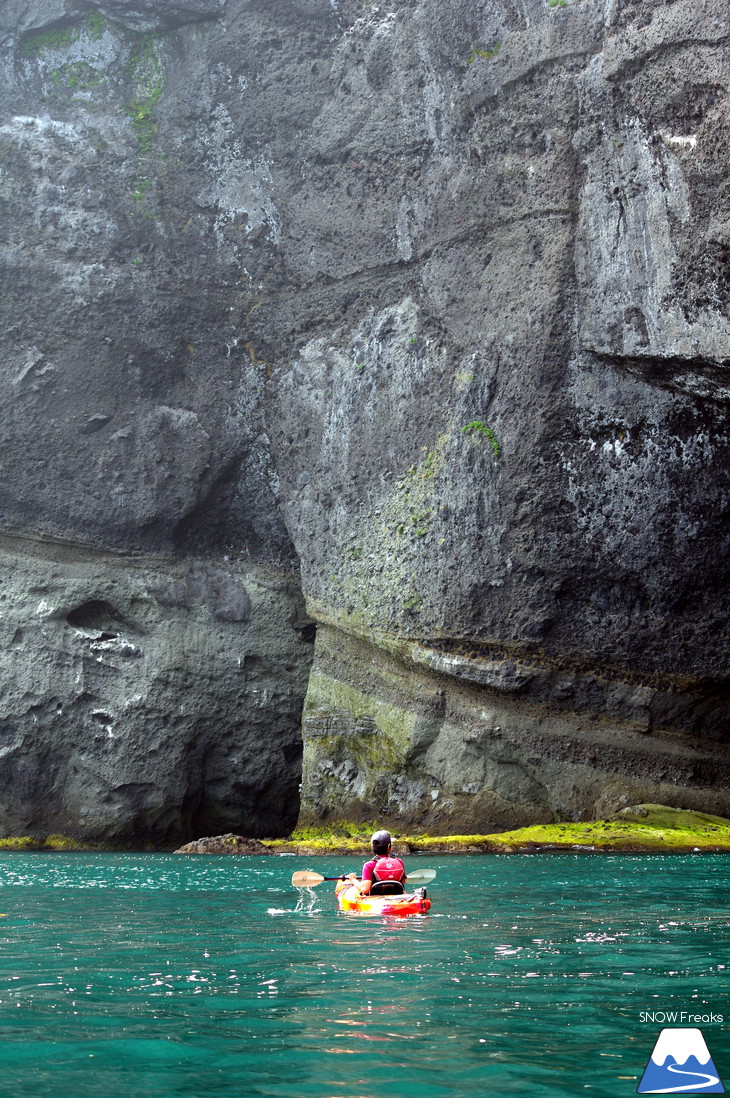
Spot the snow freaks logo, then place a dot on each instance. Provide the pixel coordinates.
(680, 1063)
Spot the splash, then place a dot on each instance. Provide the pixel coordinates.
(305, 904)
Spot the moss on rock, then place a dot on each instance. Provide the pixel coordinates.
(64, 842)
(663, 816)
(353, 742)
(20, 842)
(641, 829)
(51, 842)
(606, 835)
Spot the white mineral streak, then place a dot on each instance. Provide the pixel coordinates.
(66, 214)
(239, 186)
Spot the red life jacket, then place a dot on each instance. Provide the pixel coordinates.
(388, 869)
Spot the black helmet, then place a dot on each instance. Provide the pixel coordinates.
(380, 842)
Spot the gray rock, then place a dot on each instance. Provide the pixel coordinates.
(128, 720)
(136, 15)
(224, 844)
(426, 304)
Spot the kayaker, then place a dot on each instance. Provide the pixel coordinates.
(384, 874)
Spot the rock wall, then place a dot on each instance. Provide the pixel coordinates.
(147, 698)
(427, 300)
(511, 493)
(156, 644)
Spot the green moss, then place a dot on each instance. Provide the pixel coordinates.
(63, 842)
(40, 41)
(462, 378)
(394, 723)
(480, 428)
(95, 25)
(487, 54)
(368, 736)
(78, 76)
(377, 752)
(315, 847)
(144, 124)
(20, 842)
(370, 584)
(682, 831)
(147, 78)
(62, 38)
(335, 832)
(140, 193)
(429, 463)
(597, 834)
(51, 842)
(663, 816)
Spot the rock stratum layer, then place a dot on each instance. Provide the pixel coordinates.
(426, 302)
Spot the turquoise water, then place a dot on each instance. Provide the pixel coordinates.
(163, 975)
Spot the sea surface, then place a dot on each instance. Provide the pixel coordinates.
(127, 976)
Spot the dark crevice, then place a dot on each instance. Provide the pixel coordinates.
(703, 378)
(307, 632)
(98, 616)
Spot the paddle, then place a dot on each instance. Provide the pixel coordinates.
(306, 878)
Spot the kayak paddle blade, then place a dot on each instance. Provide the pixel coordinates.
(420, 876)
(306, 878)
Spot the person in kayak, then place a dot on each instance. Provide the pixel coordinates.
(384, 874)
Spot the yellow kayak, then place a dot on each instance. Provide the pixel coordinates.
(410, 903)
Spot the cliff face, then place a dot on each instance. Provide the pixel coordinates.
(429, 300)
(156, 644)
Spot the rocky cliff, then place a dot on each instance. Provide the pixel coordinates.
(425, 302)
(156, 646)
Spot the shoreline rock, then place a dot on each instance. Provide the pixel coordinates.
(224, 844)
(639, 829)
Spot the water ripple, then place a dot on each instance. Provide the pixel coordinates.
(183, 978)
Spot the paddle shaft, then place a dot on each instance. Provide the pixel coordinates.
(307, 878)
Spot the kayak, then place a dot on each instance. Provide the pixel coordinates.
(410, 903)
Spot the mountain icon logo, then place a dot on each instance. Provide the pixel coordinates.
(680, 1064)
